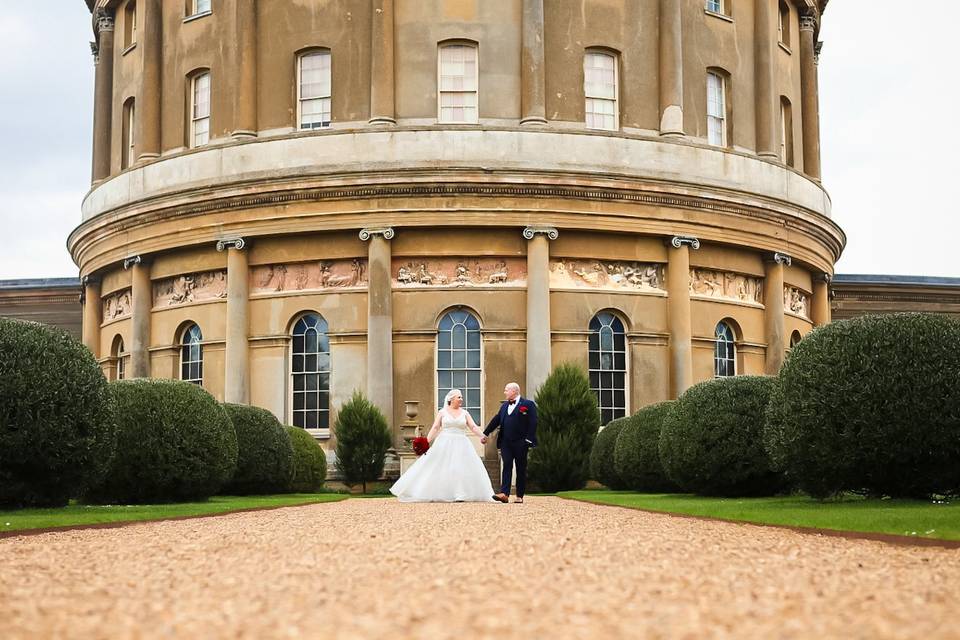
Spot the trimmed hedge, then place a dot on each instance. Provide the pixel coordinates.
(601, 456)
(636, 454)
(309, 462)
(362, 441)
(57, 425)
(175, 444)
(871, 405)
(264, 452)
(567, 422)
(711, 442)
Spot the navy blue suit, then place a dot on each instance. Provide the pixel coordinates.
(518, 433)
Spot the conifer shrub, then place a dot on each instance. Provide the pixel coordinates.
(363, 438)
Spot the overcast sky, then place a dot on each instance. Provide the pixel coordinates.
(888, 93)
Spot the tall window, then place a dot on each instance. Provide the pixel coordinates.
(129, 23)
(608, 365)
(127, 153)
(715, 6)
(117, 354)
(725, 352)
(199, 6)
(310, 367)
(458, 83)
(784, 23)
(600, 90)
(191, 355)
(200, 109)
(786, 131)
(716, 109)
(458, 359)
(314, 90)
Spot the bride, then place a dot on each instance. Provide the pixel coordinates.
(451, 470)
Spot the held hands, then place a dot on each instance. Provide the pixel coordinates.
(483, 439)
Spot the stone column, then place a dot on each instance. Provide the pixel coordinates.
(103, 97)
(382, 108)
(245, 70)
(147, 144)
(539, 361)
(142, 303)
(92, 314)
(671, 68)
(533, 109)
(810, 97)
(237, 355)
(764, 36)
(773, 310)
(820, 308)
(380, 324)
(678, 311)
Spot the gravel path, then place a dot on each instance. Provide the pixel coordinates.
(547, 569)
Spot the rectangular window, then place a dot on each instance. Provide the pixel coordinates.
(783, 26)
(128, 142)
(786, 132)
(458, 83)
(129, 24)
(200, 111)
(715, 6)
(314, 90)
(200, 6)
(716, 110)
(600, 91)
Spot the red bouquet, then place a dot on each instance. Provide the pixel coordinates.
(420, 445)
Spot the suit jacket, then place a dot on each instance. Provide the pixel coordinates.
(520, 426)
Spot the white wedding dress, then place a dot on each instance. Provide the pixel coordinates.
(450, 471)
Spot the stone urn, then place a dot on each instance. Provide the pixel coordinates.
(410, 428)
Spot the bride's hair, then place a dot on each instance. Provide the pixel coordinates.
(450, 396)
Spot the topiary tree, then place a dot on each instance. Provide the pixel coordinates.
(636, 454)
(175, 443)
(568, 420)
(871, 405)
(264, 452)
(711, 441)
(601, 455)
(57, 423)
(309, 462)
(362, 441)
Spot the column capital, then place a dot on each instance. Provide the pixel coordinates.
(231, 243)
(95, 51)
(823, 277)
(678, 241)
(781, 258)
(132, 260)
(386, 232)
(104, 21)
(808, 23)
(89, 280)
(550, 232)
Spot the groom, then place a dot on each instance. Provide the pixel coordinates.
(517, 420)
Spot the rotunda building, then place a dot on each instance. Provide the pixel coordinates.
(292, 201)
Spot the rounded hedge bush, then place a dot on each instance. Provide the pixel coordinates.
(175, 443)
(264, 452)
(309, 462)
(601, 456)
(711, 442)
(636, 455)
(57, 425)
(871, 405)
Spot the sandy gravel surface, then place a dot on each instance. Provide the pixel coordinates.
(547, 569)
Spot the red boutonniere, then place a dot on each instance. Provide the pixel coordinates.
(523, 410)
(420, 445)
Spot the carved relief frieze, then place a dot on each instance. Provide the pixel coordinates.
(191, 287)
(117, 305)
(796, 302)
(309, 276)
(726, 285)
(459, 272)
(606, 274)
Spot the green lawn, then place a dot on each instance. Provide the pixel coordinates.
(78, 514)
(898, 517)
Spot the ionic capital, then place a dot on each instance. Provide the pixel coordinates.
(678, 241)
(823, 277)
(132, 260)
(386, 232)
(808, 23)
(231, 243)
(782, 258)
(550, 232)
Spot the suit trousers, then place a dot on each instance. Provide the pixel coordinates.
(514, 452)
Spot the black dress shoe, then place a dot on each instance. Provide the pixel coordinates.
(501, 497)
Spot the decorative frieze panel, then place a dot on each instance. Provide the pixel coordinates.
(612, 275)
(796, 302)
(192, 287)
(117, 305)
(459, 272)
(726, 285)
(309, 276)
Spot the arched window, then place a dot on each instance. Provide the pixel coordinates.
(310, 367)
(458, 83)
(725, 353)
(199, 109)
(600, 90)
(128, 152)
(608, 365)
(191, 355)
(313, 90)
(795, 339)
(458, 359)
(786, 131)
(117, 354)
(717, 120)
